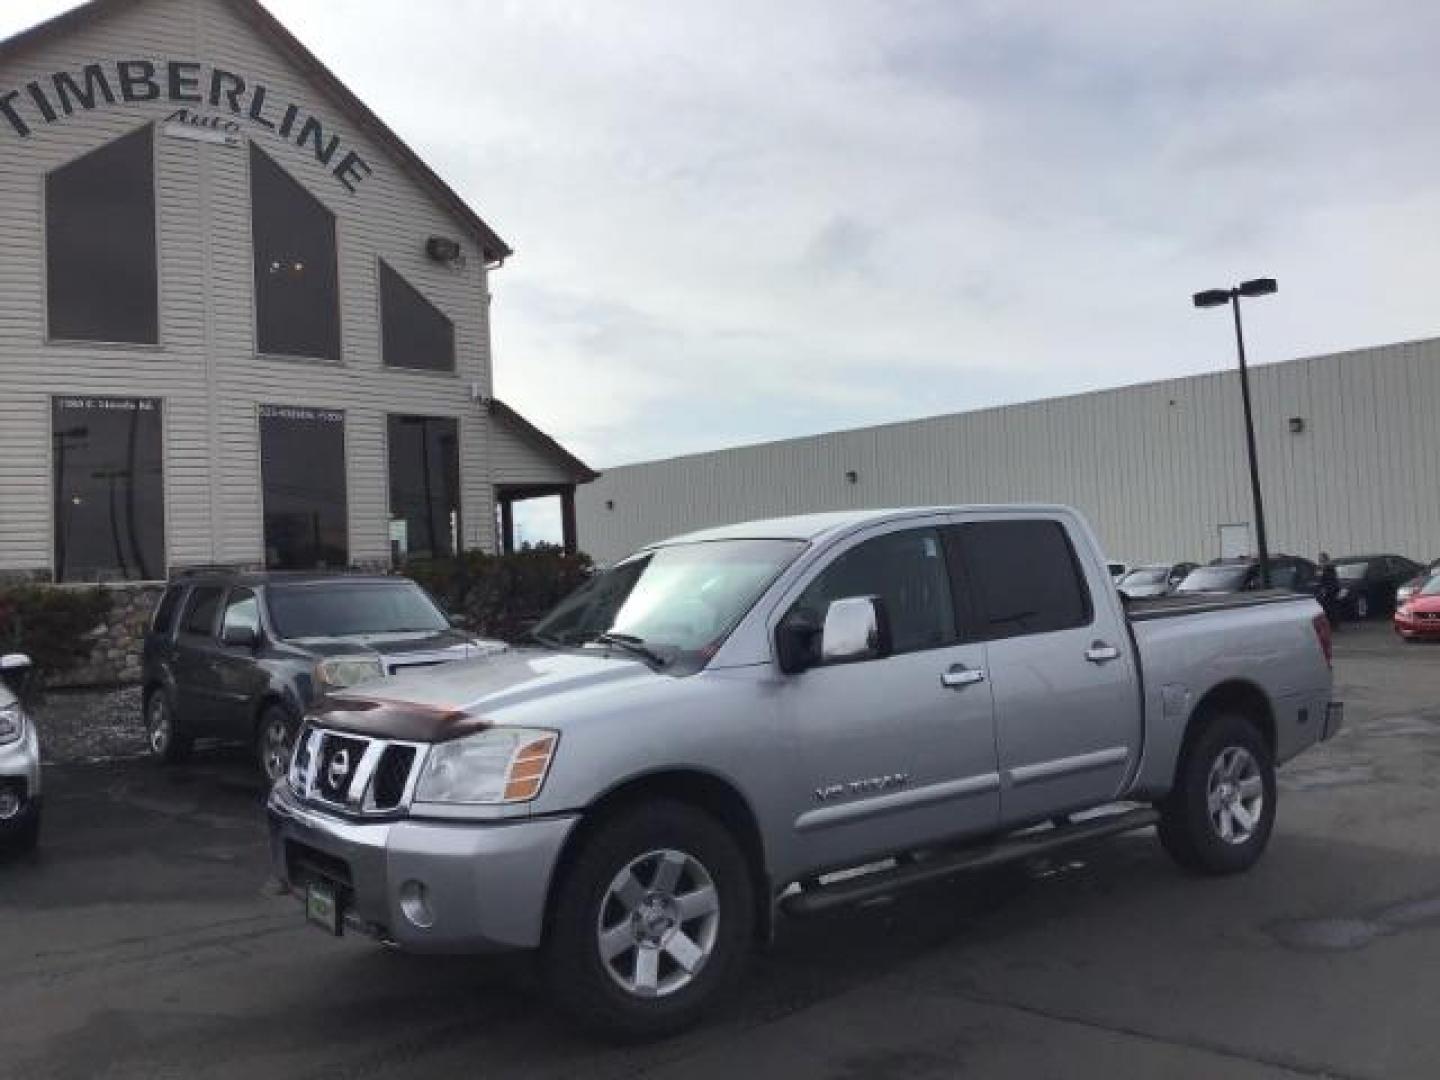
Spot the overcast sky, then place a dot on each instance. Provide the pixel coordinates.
(740, 220)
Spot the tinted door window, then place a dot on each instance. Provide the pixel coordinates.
(416, 334)
(109, 495)
(302, 470)
(297, 306)
(905, 569)
(424, 486)
(1024, 576)
(241, 610)
(200, 614)
(100, 244)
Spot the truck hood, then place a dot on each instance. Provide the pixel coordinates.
(459, 698)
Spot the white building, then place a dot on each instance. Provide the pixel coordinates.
(1349, 449)
(240, 321)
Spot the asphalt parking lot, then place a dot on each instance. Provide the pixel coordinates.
(145, 941)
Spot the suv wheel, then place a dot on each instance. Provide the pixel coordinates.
(274, 742)
(166, 741)
(1218, 818)
(653, 923)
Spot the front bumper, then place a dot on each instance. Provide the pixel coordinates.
(20, 768)
(486, 883)
(1412, 626)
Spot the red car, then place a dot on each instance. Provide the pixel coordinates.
(1418, 618)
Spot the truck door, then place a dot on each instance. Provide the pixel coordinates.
(196, 678)
(1059, 660)
(897, 752)
(240, 681)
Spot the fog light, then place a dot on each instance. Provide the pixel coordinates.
(9, 803)
(415, 904)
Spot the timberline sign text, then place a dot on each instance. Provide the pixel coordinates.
(182, 83)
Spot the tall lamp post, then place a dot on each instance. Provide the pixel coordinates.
(1217, 298)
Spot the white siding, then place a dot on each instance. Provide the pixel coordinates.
(206, 368)
(515, 460)
(1157, 468)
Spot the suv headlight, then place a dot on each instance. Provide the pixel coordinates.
(12, 724)
(341, 671)
(502, 765)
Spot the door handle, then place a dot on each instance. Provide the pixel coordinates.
(959, 677)
(1101, 653)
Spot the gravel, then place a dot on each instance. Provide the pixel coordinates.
(90, 725)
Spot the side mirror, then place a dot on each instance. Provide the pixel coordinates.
(17, 673)
(243, 636)
(856, 629)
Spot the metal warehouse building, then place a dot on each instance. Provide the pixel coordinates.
(1349, 451)
(240, 321)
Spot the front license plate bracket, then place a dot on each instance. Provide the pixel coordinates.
(322, 907)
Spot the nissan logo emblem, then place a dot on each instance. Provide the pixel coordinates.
(338, 769)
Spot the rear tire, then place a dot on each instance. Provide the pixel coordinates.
(274, 742)
(168, 744)
(1219, 817)
(653, 923)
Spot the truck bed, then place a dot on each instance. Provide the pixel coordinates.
(1146, 609)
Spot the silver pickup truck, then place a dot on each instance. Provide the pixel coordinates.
(728, 725)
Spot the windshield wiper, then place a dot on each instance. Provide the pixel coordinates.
(631, 644)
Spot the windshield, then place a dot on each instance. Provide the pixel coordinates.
(1431, 586)
(682, 599)
(353, 610)
(1154, 575)
(1214, 579)
(1350, 571)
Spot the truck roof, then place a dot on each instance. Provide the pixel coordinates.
(815, 526)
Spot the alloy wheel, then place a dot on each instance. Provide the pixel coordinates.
(275, 748)
(1235, 795)
(658, 923)
(160, 729)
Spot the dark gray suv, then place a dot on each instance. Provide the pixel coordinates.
(241, 656)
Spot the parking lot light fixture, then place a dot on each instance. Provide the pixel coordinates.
(1215, 298)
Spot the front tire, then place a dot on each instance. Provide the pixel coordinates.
(1219, 817)
(274, 743)
(22, 836)
(168, 744)
(652, 924)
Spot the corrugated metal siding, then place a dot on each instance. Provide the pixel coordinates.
(1157, 468)
(206, 368)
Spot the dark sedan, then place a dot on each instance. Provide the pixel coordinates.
(1368, 583)
(1243, 575)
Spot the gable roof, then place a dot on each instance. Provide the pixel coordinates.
(494, 248)
(579, 472)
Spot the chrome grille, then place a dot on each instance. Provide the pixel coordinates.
(354, 773)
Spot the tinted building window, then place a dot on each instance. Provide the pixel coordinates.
(416, 334)
(297, 302)
(302, 470)
(424, 486)
(100, 244)
(109, 493)
(908, 571)
(1025, 577)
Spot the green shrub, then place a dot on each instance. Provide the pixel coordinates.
(501, 596)
(51, 625)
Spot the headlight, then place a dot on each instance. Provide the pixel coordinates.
(12, 724)
(343, 671)
(502, 765)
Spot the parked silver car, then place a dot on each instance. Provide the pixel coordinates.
(1154, 579)
(19, 758)
(711, 730)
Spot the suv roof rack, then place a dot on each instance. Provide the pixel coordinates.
(205, 568)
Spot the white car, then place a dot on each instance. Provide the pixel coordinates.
(19, 758)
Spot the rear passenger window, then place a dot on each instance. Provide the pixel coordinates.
(1025, 577)
(908, 571)
(165, 613)
(200, 615)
